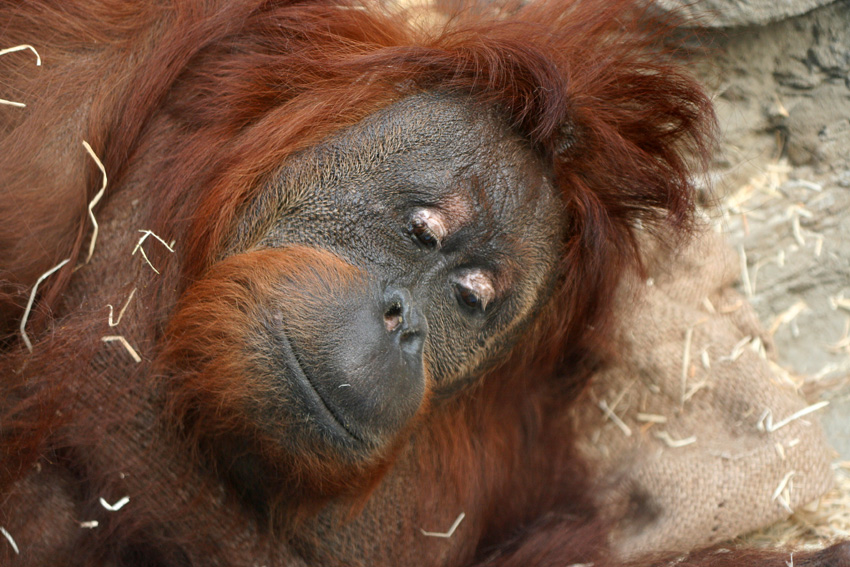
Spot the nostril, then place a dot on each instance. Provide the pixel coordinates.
(393, 317)
(402, 318)
(409, 333)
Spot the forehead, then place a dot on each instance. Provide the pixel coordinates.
(435, 150)
(426, 151)
(443, 146)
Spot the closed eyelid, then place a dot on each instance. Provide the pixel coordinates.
(481, 283)
(449, 214)
(431, 220)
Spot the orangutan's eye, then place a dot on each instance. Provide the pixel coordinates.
(427, 229)
(474, 290)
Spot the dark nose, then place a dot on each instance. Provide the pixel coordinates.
(404, 320)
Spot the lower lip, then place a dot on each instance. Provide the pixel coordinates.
(315, 399)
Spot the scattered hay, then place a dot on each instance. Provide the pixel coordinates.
(10, 539)
(615, 419)
(12, 103)
(839, 302)
(674, 443)
(787, 316)
(126, 344)
(37, 62)
(822, 523)
(123, 309)
(451, 530)
(651, 418)
(22, 48)
(34, 290)
(138, 248)
(765, 422)
(767, 199)
(737, 350)
(93, 203)
(782, 494)
(115, 507)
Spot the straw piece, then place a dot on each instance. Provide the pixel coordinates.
(448, 533)
(126, 344)
(10, 539)
(115, 507)
(37, 62)
(94, 200)
(21, 48)
(26, 316)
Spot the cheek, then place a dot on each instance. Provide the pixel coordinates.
(217, 344)
(455, 344)
(461, 346)
(290, 349)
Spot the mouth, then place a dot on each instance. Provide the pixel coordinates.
(328, 417)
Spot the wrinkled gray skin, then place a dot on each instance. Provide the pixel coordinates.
(360, 196)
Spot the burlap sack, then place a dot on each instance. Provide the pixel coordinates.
(687, 427)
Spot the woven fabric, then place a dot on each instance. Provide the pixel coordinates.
(682, 429)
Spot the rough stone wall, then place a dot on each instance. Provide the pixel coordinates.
(785, 82)
(782, 91)
(729, 13)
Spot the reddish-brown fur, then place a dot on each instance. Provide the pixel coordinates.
(227, 307)
(191, 106)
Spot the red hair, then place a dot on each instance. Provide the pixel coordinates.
(253, 82)
(248, 84)
(587, 83)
